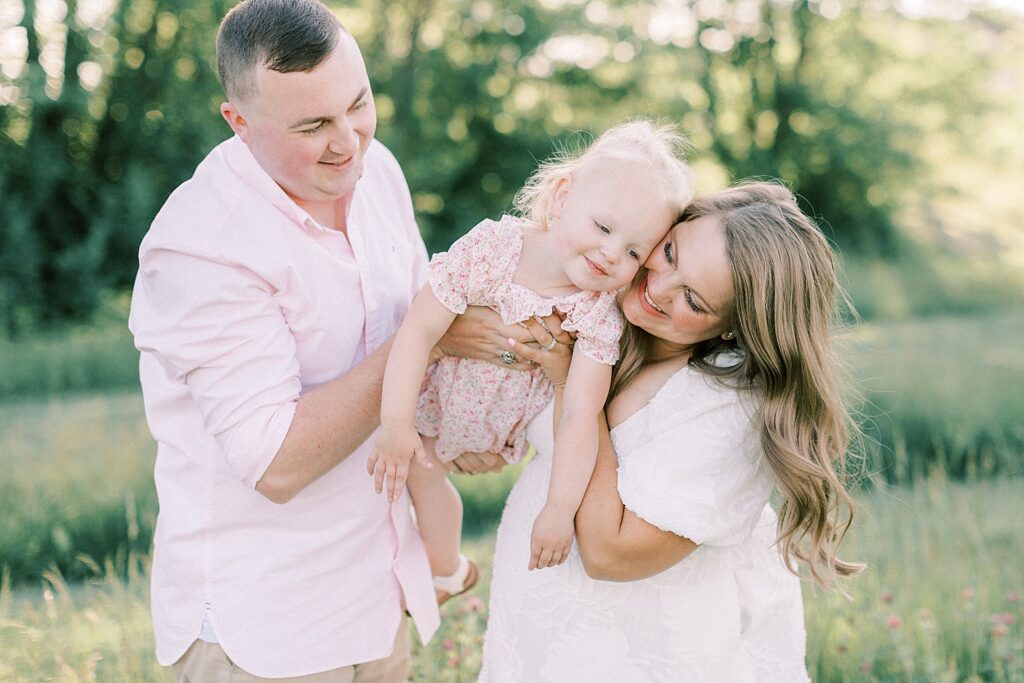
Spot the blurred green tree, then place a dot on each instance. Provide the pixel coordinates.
(112, 105)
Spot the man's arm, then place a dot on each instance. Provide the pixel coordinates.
(330, 422)
(334, 419)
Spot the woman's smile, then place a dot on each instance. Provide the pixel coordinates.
(646, 302)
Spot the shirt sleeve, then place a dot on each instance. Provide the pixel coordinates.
(598, 324)
(698, 474)
(214, 327)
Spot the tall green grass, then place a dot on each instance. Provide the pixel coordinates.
(943, 395)
(81, 358)
(77, 471)
(940, 602)
(77, 484)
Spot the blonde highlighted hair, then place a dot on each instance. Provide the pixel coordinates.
(658, 147)
(785, 292)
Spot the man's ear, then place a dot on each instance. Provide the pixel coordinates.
(235, 119)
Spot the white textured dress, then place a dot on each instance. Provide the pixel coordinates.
(690, 463)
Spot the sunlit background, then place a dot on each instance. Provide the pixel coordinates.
(899, 125)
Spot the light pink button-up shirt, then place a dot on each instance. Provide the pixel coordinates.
(242, 303)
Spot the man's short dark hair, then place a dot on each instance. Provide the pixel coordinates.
(281, 35)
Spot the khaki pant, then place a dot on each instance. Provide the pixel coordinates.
(207, 663)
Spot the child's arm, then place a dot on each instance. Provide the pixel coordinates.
(575, 451)
(398, 441)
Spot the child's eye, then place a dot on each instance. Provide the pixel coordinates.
(635, 254)
(603, 228)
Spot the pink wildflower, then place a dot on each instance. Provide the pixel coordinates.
(448, 644)
(893, 623)
(968, 593)
(475, 604)
(886, 597)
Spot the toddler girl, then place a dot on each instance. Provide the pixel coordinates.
(589, 219)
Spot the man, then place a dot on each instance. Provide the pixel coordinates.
(270, 285)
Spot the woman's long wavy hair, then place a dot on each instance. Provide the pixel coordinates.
(785, 286)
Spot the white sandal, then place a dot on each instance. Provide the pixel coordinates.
(461, 580)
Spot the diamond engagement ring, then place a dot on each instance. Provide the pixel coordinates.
(551, 344)
(508, 358)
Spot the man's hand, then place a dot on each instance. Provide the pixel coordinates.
(390, 458)
(551, 539)
(480, 333)
(476, 463)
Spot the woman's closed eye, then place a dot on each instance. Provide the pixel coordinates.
(690, 302)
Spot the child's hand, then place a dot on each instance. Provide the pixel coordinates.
(551, 539)
(390, 458)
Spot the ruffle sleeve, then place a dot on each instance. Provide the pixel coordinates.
(698, 472)
(598, 324)
(459, 276)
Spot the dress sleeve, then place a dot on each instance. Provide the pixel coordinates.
(699, 472)
(598, 324)
(215, 328)
(455, 274)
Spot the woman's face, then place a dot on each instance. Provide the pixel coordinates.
(684, 292)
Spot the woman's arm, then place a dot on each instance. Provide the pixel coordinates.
(615, 544)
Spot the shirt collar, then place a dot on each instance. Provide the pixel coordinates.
(240, 159)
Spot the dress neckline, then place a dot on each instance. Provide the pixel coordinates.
(642, 409)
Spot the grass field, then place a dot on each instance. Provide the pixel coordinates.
(941, 601)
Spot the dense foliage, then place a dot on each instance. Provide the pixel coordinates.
(106, 107)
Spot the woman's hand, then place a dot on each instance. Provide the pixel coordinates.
(554, 352)
(479, 333)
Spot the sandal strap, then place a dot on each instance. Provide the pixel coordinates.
(456, 583)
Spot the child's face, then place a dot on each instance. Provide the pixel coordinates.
(607, 219)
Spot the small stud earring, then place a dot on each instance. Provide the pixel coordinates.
(728, 335)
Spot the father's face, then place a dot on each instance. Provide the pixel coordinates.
(310, 130)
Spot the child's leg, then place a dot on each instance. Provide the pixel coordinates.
(438, 513)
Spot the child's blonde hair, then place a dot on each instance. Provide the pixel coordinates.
(658, 147)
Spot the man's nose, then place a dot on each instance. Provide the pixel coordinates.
(345, 141)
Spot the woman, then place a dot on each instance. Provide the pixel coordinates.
(725, 392)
